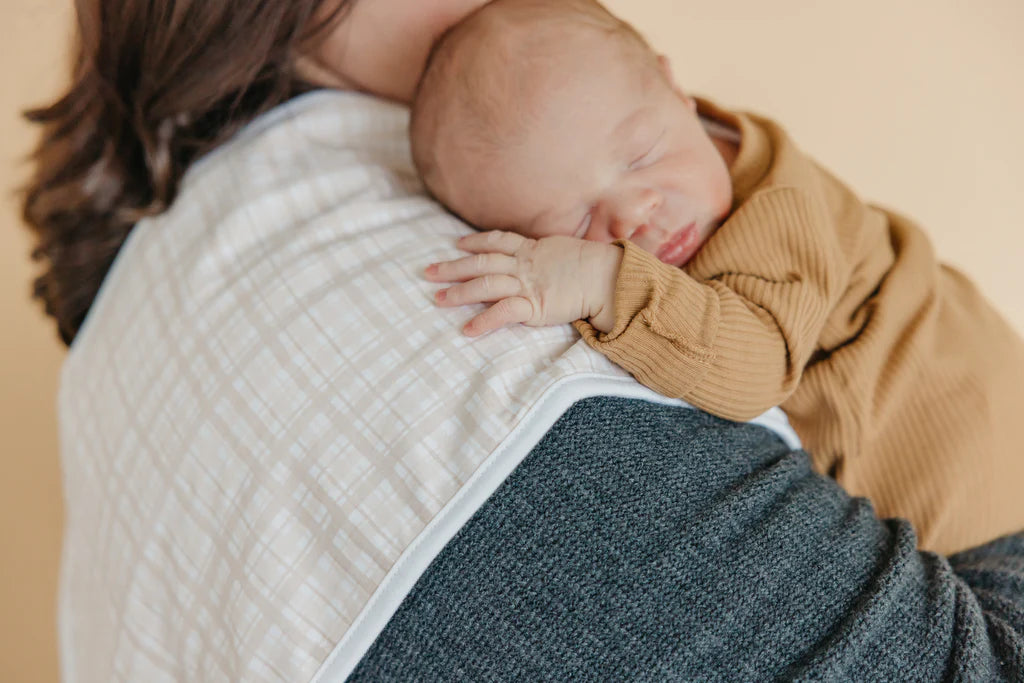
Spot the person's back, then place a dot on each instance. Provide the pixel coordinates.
(264, 396)
(247, 502)
(557, 123)
(277, 453)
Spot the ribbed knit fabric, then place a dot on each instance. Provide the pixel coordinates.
(641, 542)
(901, 379)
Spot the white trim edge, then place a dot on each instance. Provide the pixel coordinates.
(411, 565)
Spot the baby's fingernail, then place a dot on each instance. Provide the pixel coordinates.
(432, 269)
(441, 294)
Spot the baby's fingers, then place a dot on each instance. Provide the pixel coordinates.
(469, 267)
(505, 312)
(479, 290)
(498, 241)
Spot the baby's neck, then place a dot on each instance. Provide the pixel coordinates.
(725, 138)
(727, 149)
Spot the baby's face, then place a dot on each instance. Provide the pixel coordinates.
(611, 150)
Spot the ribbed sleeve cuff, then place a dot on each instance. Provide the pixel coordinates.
(665, 324)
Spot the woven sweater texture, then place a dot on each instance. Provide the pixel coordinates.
(901, 379)
(642, 542)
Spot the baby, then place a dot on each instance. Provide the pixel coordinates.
(702, 251)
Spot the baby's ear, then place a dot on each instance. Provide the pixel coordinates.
(666, 69)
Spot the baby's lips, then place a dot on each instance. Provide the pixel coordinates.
(679, 244)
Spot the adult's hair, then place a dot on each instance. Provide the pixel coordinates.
(154, 85)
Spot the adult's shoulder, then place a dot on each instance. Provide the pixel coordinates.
(265, 388)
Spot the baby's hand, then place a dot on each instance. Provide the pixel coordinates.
(550, 281)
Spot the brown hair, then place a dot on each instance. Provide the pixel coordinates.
(155, 84)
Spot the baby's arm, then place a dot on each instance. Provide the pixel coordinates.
(733, 342)
(735, 337)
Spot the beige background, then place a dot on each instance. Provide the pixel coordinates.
(920, 112)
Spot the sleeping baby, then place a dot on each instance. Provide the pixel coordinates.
(704, 252)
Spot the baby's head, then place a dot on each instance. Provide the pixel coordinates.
(549, 118)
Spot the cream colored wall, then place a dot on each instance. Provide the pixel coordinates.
(31, 64)
(917, 111)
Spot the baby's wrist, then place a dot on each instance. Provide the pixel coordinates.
(604, 273)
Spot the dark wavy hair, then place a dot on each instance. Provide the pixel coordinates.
(155, 84)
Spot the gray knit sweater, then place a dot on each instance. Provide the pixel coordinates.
(647, 542)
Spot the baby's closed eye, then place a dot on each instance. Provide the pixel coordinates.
(646, 157)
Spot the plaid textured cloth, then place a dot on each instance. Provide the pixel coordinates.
(267, 427)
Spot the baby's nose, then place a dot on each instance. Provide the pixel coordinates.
(634, 211)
